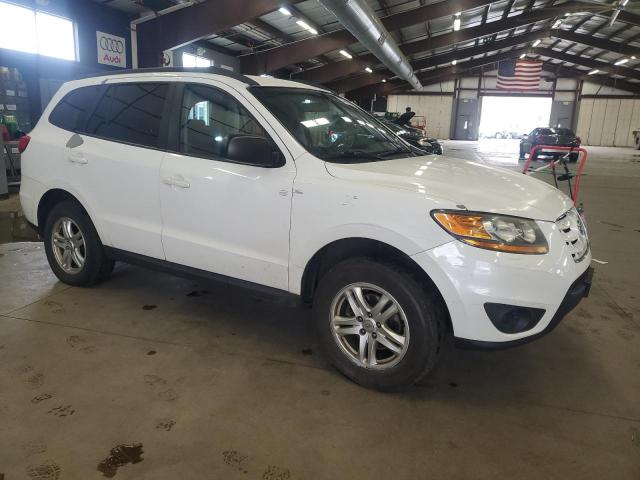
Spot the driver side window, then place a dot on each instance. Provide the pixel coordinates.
(209, 118)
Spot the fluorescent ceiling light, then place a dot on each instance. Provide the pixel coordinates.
(454, 62)
(620, 62)
(623, 3)
(384, 80)
(284, 11)
(536, 43)
(456, 24)
(633, 57)
(557, 23)
(367, 69)
(523, 55)
(306, 26)
(593, 72)
(344, 53)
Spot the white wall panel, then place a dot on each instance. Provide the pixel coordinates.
(608, 122)
(584, 120)
(597, 122)
(612, 108)
(622, 125)
(434, 110)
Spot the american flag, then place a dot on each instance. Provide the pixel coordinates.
(519, 75)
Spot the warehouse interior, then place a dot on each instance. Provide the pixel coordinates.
(151, 374)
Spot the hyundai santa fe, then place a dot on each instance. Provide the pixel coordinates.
(290, 188)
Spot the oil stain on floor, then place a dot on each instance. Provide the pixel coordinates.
(119, 456)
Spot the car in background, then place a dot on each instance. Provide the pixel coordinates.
(415, 137)
(560, 137)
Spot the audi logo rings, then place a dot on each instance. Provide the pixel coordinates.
(111, 45)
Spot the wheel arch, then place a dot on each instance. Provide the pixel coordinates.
(50, 199)
(335, 252)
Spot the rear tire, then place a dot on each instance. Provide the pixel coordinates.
(74, 250)
(414, 328)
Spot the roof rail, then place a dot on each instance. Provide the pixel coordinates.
(210, 70)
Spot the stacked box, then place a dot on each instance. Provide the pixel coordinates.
(14, 98)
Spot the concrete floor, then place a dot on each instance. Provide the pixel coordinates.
(217, 383)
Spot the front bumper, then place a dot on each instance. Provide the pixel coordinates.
(578, 290)
(469, 278)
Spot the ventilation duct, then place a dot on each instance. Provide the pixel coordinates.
(358, 17)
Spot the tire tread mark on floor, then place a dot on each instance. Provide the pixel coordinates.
(166, 342)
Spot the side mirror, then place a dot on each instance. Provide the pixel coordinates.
(253, 150)
(525, 136)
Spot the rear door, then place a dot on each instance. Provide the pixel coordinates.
(114, 164)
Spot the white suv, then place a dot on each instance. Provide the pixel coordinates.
(286, 186)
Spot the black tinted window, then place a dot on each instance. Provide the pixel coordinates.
(70, 113)
(130, 113)
(209, 118)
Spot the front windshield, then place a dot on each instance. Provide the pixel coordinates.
(329, 126)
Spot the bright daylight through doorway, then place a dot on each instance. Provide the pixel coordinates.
(511, 117)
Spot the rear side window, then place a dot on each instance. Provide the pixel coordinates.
(130, 113)
(71, 112)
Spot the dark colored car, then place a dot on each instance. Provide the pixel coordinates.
(561, 137)
(415, 137)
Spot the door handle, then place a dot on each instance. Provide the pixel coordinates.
(176, 182)
(77, 157)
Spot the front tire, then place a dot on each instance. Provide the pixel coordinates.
(74, 250)
(377, 324)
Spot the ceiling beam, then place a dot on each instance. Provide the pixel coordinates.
(271, 30)
(198, 21)
(606, 68)
(591, 41)
(433, 76)
(469, 34)
(272, 59)
(345, 67)
(560, 70)
(435, 60)
(447, 73)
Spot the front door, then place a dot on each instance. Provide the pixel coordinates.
(222, 216)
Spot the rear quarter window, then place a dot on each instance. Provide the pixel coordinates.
(71, 112)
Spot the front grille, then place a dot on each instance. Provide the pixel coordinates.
(575, 234)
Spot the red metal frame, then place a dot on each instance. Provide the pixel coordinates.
(578, 176)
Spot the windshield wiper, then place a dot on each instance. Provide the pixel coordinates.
(351, 154)
(389, 153)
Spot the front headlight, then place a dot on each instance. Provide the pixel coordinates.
(502, 233)
(423, 142)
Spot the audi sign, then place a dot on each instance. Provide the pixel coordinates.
(112, 50)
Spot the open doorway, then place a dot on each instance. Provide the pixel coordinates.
(511, 117)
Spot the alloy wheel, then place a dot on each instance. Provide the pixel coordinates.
(370, 326)
(67, 243)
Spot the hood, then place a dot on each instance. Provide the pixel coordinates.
(477, 186)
